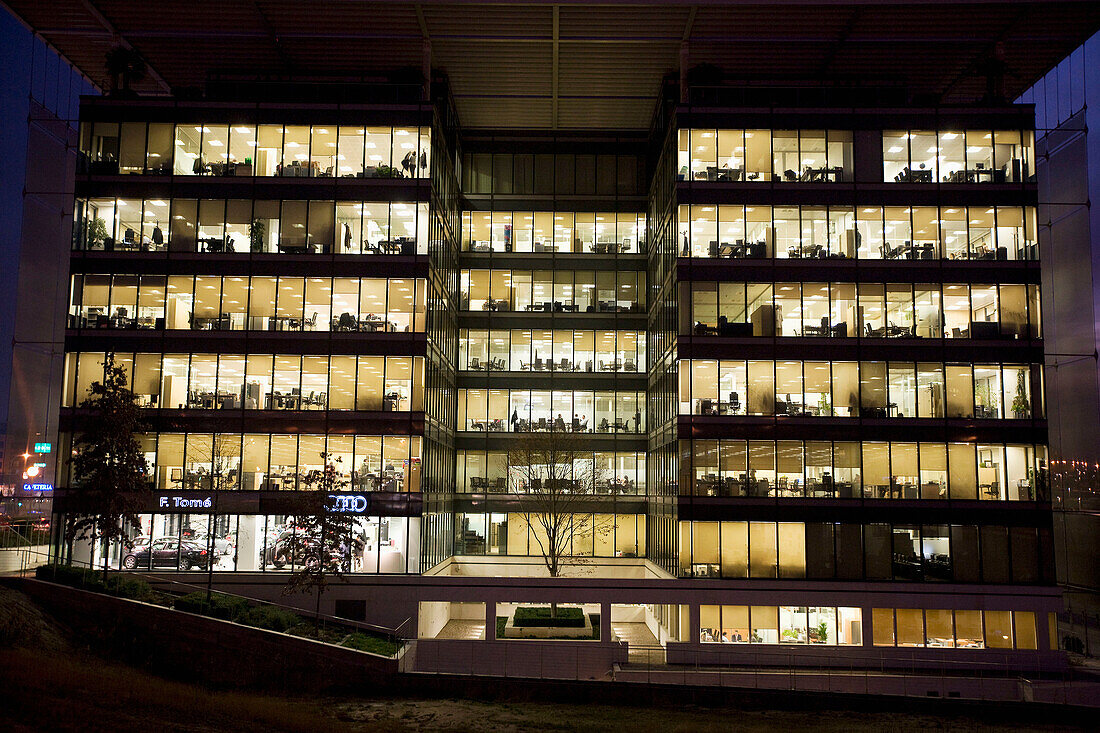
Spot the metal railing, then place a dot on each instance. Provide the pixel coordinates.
(920, 675)
(323, 621)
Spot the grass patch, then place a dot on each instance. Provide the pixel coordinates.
(273, 618)
(326, 633)
(218, 605)
(370, 643)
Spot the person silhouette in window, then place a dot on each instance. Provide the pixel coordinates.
(408, 164)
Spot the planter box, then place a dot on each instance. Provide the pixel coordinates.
(511, 631)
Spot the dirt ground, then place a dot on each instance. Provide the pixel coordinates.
(497, 717)
(51, 692)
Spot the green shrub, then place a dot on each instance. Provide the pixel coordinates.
(271, 618)
(133, 588)
(502, 623)
(220, 605)
(86, 578)
(540, 616)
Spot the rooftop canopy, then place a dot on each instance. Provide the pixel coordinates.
(575, 65)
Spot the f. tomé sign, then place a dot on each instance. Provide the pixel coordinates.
(186, 502)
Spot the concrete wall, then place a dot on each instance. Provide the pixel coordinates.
(574, 660)
(432, 617)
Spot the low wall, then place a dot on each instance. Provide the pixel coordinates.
(209, 651)
(996, 661)
(887, 686)
(568, 660)
(13, 558)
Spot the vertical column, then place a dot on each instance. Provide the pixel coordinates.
(605, 621)
(490, 621)
(684, 60)
(248, 549)
(426, 68)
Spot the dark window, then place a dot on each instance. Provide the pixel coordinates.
(586, 174)
(820, 555)
(965, 559)
(523, 171)
(849, 552)
(876, 545)
(564, 177)
(350, 609)
(502, 173)
(544, 174)
(1025, 555)
(995, 554)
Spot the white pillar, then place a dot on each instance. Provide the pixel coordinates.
(249, 541)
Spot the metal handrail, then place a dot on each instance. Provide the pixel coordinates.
(392, 634)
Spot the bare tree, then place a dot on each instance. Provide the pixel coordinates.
(324, 540)
(557, 477)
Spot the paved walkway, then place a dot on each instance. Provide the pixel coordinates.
(461, 629)
(644, 648)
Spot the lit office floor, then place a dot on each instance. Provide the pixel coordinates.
(462, 629)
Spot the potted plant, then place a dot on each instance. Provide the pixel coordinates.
(97, 233)
(984, 397)
(1021, 405)
(789, 635)
(822, 630)
(824, 406)
(385, 171)
(256, 234)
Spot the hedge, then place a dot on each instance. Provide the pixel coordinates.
(540, 616)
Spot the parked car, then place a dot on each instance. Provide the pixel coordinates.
(280, 551)
(140, 542)
(222, 545)
(165, 553)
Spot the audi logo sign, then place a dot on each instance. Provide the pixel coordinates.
(349, 503)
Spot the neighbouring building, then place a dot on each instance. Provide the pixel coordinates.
(1068, 165)
(39, 99)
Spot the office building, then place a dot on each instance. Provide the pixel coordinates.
(791, 333)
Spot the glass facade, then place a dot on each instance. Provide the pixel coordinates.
(864, 232)
(247, 150)
(784, 363)
(864, 310)
(242, 226)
